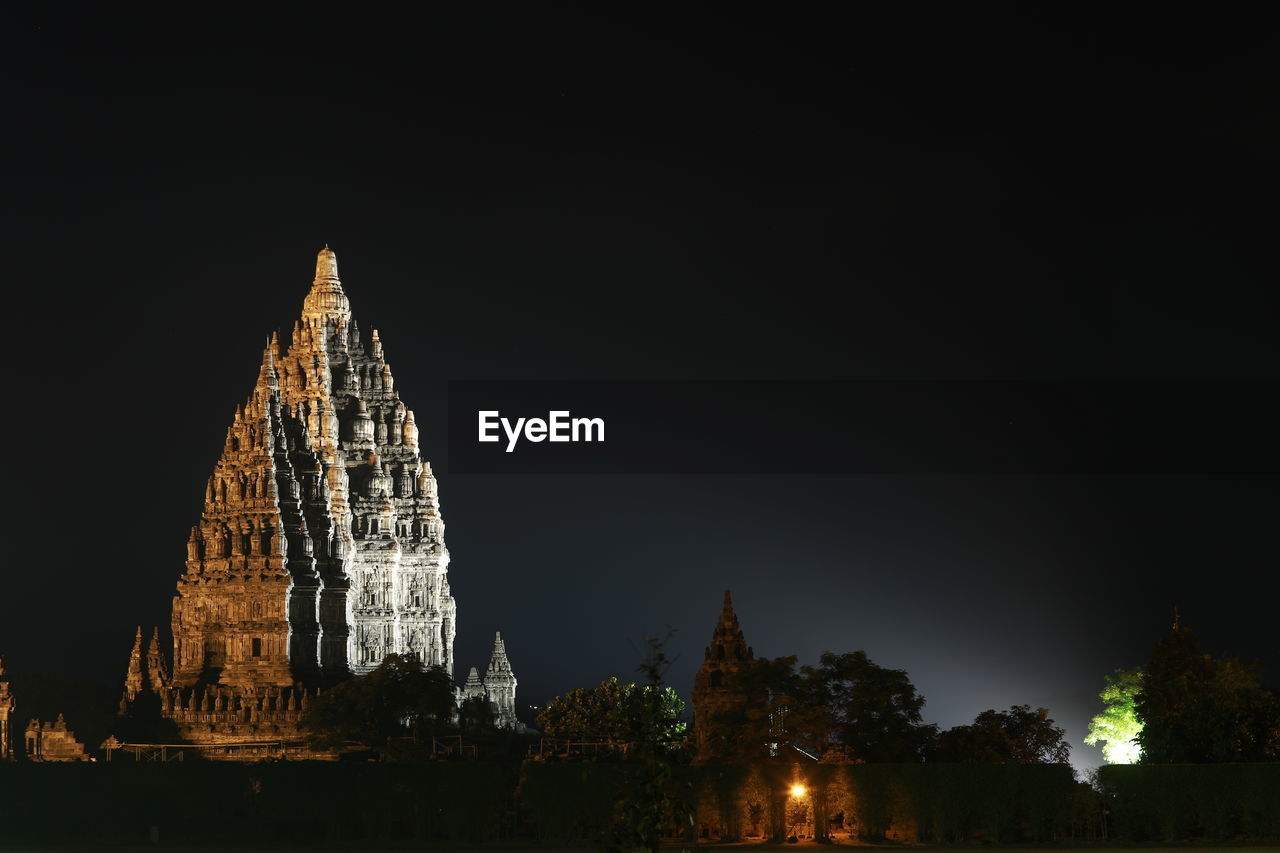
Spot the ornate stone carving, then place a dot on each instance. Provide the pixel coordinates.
(53, 742)
(7, 706)
(500, 685)
(320, 549)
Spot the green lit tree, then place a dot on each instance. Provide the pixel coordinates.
(650, 796)
(1118, 726)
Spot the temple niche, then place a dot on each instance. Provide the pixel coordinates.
(320, 549)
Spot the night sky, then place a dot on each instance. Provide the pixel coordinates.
(655, 195)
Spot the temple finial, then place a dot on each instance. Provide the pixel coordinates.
(326, 265)
(326, 303)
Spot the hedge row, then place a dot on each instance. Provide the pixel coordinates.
(299, 802)
(248, 804)
(917, 802)
(1175, 802)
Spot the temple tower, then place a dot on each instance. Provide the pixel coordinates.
(133, 678)
(727, 655)
(500, 685)
(320, 549)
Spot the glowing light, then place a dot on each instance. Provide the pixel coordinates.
(797, 790)
(1118, 726)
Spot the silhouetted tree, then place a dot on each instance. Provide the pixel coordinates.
(476, 714)
(875, 711)
(780, 710)
(847, 708)
(650, 797)
(1198, 709)
(613, 711)
(143, 722)
(398, 699)
(1017, 736)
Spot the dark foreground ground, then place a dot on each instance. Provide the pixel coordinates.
(744, 847)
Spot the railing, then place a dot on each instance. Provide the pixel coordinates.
(577, 749)
(163, 752)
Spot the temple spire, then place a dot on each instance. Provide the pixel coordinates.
(326, 266)
(500, 685)
(157, 672)
(326, 303)
(727, 654)
(133, 678)
(498, 661)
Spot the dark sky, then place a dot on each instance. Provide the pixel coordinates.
(655, 195)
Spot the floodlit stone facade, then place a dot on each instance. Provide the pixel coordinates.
(727, 654)
(7, 706)
(53, 742)
(498, 687)
(320, 549)
(321, 546)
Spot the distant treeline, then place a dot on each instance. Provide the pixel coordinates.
(468, 802)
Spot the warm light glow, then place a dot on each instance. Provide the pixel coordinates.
(797, 790)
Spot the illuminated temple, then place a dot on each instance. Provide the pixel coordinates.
(320, 549)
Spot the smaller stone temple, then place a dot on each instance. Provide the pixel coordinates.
(53, 742)
(7, 705)
(727, 654)
(498, 686)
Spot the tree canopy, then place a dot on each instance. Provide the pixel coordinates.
(1195, 708)
(847, 708)
(614, 712)
(1017, 736)
(398, 699)
(875, 711)
(1118, 726)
